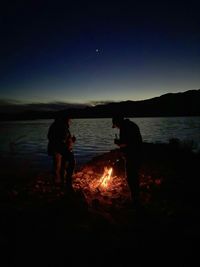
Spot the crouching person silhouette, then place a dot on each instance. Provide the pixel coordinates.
(60, 145)
(130, 143)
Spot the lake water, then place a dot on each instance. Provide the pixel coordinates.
(28, 139)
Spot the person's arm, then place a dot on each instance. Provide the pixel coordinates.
(51, 134)
(73, 139)
(122, 142)
(70, 140)
(118, 142)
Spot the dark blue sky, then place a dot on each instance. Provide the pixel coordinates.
(93, 51)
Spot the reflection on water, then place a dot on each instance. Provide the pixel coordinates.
(28, 139)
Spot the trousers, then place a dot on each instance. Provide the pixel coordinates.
(63, 166)
(132, 176)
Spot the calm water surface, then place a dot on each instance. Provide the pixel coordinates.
(28, 139)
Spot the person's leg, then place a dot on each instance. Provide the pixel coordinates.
(57, 158)
(70, 165)
(70, 168)
(63, 171)
(132, 173)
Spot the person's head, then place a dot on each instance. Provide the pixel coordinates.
(117, 120)
(63, 118)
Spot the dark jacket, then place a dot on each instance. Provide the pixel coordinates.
(131, 136)
(59, 137)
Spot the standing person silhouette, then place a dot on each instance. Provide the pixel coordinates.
(60, 146)
(130, 143)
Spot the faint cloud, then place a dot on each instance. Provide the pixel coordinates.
(10, 106)
(7, 102)
(100, 102)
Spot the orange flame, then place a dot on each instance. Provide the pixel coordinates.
(104, 181)
(106, 178)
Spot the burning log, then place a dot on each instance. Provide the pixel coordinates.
(102, 184)
(104, 181)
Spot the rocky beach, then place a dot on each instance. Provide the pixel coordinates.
(44, 225)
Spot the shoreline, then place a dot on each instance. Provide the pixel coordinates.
(100, 117)
(173, 153)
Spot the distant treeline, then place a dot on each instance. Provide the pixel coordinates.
(172, 104)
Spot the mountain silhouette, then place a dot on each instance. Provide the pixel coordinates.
(170, 104)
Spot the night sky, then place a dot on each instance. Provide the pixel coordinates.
(91, 52)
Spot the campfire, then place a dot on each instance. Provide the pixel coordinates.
(102, 186)
(103, 182)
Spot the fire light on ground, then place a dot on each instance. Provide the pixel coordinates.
(106, 188)
(103, 183)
